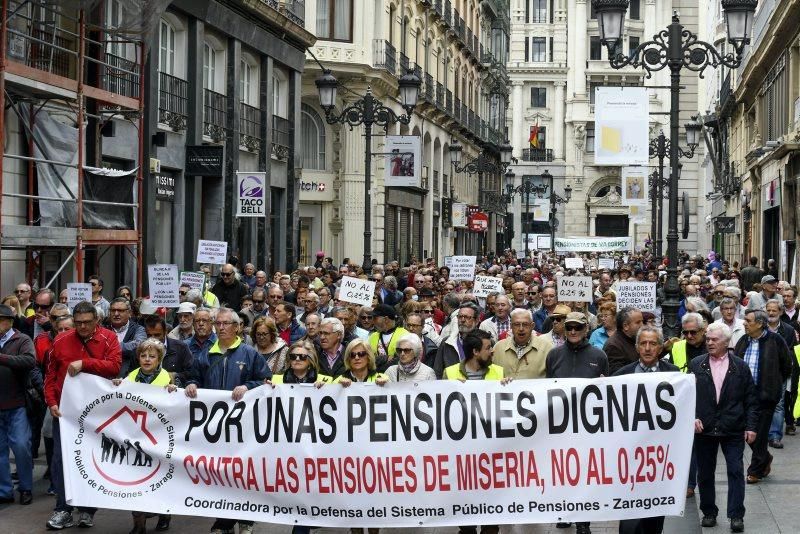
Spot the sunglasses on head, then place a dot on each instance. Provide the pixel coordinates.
(298, 357)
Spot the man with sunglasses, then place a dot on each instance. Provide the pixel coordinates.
(228, 289)
(451, 351)
(39, 321)
(693, 344)
(99, 301)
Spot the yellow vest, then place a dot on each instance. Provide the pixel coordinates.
(163, 378)
(278, 379)
(374, 339)
(796, 411)
(679, 355)
(210, 299)
(495, 372)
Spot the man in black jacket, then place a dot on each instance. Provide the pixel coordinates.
(775, 309)
(726, 416)
(228, 289)
(751, 275)
(576, 358)
(767, 356)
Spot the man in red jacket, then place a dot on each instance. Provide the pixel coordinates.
(91, 349)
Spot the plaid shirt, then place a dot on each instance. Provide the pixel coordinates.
(502, 327)
(752, 355)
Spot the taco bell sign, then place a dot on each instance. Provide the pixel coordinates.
(251, 199)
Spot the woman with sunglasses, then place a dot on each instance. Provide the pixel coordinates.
(269, 344)
(124, 291)
(359, 362)
(303, 366)
(409, 366)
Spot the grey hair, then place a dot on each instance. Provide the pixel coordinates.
(390, 282)
(521, 311)
(650, 328)
(736, 291)
(336, 324)
(414, 341)
(693, 317)
(726, 302)
(698, 303)
(452, 301)
(759, 316)
(59, 307)
(234, 316)
(194, 294)
(775, 301)
(722, 328)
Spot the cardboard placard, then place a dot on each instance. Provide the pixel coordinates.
(462, 267)
(574, 288)
(606, 263)
(78, 292)
(639, 295)
(163, 279)
(487, 284)
(213, 252)
(193, 279)
(573, 263)
(357, 291)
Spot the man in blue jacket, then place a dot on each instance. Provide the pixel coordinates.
(229, 365)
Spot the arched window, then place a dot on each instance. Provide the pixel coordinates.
(166, 48)
(313, 138)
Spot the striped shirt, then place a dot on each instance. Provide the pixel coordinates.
(752, 355)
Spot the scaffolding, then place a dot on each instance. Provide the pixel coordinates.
(67, 61)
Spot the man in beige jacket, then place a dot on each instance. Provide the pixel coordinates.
(522, 355)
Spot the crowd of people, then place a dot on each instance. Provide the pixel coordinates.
(246, 329)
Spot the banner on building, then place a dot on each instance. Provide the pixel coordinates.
(459, 215)
(424, 454)
(592, 244)
(252, 194)
(622, 117)
(403, 161)
(635, 185)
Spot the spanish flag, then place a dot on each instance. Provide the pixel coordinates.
(533, 140)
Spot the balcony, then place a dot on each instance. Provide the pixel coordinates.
(462, 30)
(537, 154)
(403, 63)
(449, 102)
(469, 41)
(448, 13)
(281, 139)
(726, 98)
(249, 127)
(173, 99)
(457, 109)
(464, 115)
(121, 76)
(439, 95)
(215, 111)
(385, 56)
(437, 7)
(295, 10)
(430, 89)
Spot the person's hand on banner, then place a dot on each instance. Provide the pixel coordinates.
(268, 382)
(116, 381)
(506, 380)
(191, 391)
(749, 436)
(75, 367)
(238, 392)
(698, 426)
(319, 383)
(345, 382)
(171, 388)
(381, 381)
(54, 411)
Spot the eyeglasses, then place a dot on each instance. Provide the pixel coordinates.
(273, 297)
(359, 354)
(690, 332)
(202, 321)
(84, 323)
(558, 319)
(367, 317)
(223, 273)
(404, 350)
(22, 291)
(223, 324)
(322, 333)
(427, 311)
(94, 284)
(117, 310)
(534, 293)
(298, 357)
(465, 317)
(411, 325)
(181, 293)
(42, 306)
(573, 327)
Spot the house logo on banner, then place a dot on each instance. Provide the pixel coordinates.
(131, 447)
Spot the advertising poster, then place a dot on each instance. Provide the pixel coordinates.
(403, 161)
(252, 200)
(635, 186)
(459, 215)
(622, 135)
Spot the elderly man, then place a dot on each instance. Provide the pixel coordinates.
(313, 322)
(39, 321)
(519, 291)
(249, 275)
(728, 316)
(129, 333)
(499, 325)
(261, 280)
(693, 344)
(775, 311)
(289, 329)
(415, 324)
(549, 302)
(349, 318)
(384, 340)
(767, 356)
(185, 317)
(23, 293)
(521, 354)
(310, 305)
(576, 358)
(621, 346)
(274, 296)
(332, 342)
(451, 349)
(556, 336)
(769, 290)
(324, 307)
(228, 289)
(229, 365)
(204, 336)
(727, 414)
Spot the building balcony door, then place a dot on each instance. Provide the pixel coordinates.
(612, 226)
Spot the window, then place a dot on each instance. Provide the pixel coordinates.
(633, 44)
(313, 138)
(335, 20)
(538, 49)
(541, 137)
(209, 67)
(592, 12)
(774, 102)
(114, 21)
(634, 9)
(590, 138)
(594, 48)
(166, 50)
(550, 50)
(539, 10)
(538, 97)
(617, 48)
(248, 83)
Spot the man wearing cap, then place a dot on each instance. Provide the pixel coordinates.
(521, 354)
(17, 359)
(384, 340)
(621, 346)
(556, 336)
(769, 290)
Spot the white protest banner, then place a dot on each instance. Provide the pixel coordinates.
(606, 263)
(252, 187)
(163, 283)
(574, 288)
(462, 267)
(193, 279)
(621, 118)
(640, 295)
(543, 242)
(213, 252)
(427, 454)
(573, 263)
(592, 244)
(404, 161)
(356, 290)
(521, 254)
(448, 262)
(635, 185)
(78, 292)
(487, 284)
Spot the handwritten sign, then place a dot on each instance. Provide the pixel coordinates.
(487, 284)
(356, 290)
(193, 279)
(574, 288)
(606, 263)
(573, 263)
(78, 292)
(639, 295)
(213, 252)
(163, 280)
(462, 267)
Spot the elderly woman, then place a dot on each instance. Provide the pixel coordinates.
(303, 366)
(359, 362)
(150, 355)
(410, 367)
(607, 315)
(269, 344)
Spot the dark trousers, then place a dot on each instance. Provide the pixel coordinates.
(485, 529)
(645, 525)
(57, 474)
(733, 450)
(692, 471)
(228, 524)
(761, 456)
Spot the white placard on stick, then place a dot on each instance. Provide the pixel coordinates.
(164, 284)
(213, 252)
(487, 284)
(78, 292)
(573, 263)
(606, 263)
(356, 290)
(574, 288)
(639, 295)
(193, 279)
(462, 267)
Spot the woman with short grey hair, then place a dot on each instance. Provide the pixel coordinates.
(410, 367)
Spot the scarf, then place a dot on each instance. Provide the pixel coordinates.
(145, 378)
(410, 368)
(290, 378)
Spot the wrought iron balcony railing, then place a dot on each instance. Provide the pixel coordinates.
(215, 111)
(173, 99)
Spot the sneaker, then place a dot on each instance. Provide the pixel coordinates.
(25, 498)
(563, 525)
(51, 491)
(245, 529)
(791, 430)
(163, 522)
(709, 521)
(737, 524)
(60, 520)
(582, 528)
(775, 444)
(85, 520)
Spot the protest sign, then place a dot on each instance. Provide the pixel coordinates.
(163, 283)
(78, 292)
(532, 451)
(357, 291)
(573, 263)
(592, 244)
(520, 254)
(192, 279)
(487, 284)
(213, 252)
(574, 288)
(640, 295)
(606, 263)
(462, 267)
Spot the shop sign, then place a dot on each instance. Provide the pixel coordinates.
(724, 225)
(447, 213)
(165, 187)
(316, 188)
(252, 187)
(459, 215)
(204, 160)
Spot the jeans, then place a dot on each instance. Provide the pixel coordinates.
(761, 457)
(776, 428)
(57, 474)
(15, 434)
(733, 450)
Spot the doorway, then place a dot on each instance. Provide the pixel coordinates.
(611, 226)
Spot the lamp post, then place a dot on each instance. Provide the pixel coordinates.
(540, 190)
(527, 188)
(675, 48)
(368, 111)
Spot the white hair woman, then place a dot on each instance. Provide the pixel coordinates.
(410, 366)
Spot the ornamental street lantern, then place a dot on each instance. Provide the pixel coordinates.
(409, 90)
(610, 18)
(455, 153)
(327, 85)
(739, 20)
(693, 134)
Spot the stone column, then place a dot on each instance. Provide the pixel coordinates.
(582, 41)
(559, 119)
(592, 224)
(517, 122)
